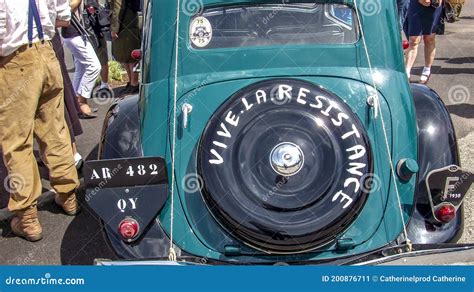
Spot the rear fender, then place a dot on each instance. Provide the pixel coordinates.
(437, 148)
(121, 131)
(120, 142)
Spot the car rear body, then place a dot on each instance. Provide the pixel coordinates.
(229, 53)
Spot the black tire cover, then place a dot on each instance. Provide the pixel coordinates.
(297, 207)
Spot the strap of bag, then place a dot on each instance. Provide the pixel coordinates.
(33, 15)
(78, 25)
(83, 31)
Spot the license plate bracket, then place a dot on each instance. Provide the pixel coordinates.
(128, 172)
(449, 184)
(134, 188)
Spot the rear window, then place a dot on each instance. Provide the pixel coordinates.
(275, 24)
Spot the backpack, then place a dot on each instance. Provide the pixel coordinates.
(452, 10)
(97, 18)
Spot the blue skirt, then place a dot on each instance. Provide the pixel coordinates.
(421, 20)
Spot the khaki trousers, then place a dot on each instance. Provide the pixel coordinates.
(32, 105)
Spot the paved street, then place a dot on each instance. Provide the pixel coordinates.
(79, 240)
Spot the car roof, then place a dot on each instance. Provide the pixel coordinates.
(231, 2)
(382, 34)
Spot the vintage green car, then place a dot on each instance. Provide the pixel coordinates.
(273, 132)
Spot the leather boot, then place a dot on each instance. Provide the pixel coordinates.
(68, 203)
(26, 224)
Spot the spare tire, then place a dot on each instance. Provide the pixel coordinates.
(285, 166)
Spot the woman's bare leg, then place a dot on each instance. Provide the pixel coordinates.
(133, 75)
(430, 49)
(127, 68)
(412, 52)
(83, 105)
(430, 52)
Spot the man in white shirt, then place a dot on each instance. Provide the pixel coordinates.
(32, 105)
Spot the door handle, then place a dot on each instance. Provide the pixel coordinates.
(186, 109)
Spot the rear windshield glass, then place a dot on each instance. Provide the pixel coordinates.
(276, 24)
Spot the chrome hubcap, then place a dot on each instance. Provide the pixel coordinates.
(286, 159)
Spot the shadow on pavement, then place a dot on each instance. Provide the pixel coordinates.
(463, 110)
(457, 61)
(84, 241)
(6, 230)
(92, 155)
(451, 71)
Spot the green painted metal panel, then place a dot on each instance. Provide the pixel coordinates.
(207, 78)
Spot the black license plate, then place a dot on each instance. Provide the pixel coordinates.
(125, 172)
(449, 185)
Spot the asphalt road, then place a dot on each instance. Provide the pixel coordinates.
(79, 240)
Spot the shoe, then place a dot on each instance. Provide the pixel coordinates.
(130, 89)
(68, 204)
(26, 224)
(134, 89)
(425, 78)
(125, 89)
(87, 116)
(85, 111)
(78, 161)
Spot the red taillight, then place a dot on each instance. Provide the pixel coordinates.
(445, 213)
(406, 44)
(137, 54)
(128, 228)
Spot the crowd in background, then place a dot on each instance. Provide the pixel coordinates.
(421, 21)
(99, 32)
(38, 100)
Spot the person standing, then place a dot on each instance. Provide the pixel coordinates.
(402, 6)
(71, 105)
(32, 105)
(98, 19)
(86, 63)
(125, 30)
(423, 21)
